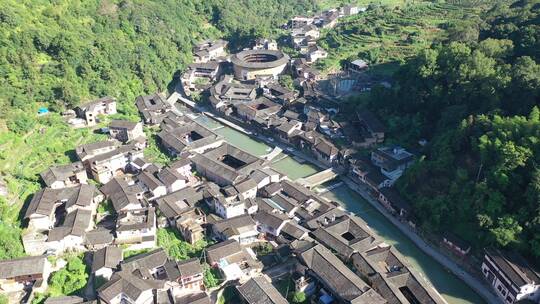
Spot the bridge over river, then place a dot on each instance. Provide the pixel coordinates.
(318, 178)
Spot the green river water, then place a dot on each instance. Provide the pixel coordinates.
(452, 289)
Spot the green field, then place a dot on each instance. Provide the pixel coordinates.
(391, 33)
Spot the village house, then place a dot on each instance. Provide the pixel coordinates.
(136, 228)
(90, 111)
(173, 180)
(190, 224)
(394, 203)
(351, 9)
(259, 290)
(336, 278)
(87, 151)
(182, 134)
(511, 276)
(126, 131)
(280, 202)
(328, 19)
(288, 129)
(106, 261)
(173, 205)
(324, 150)
(124, 194)
(105, 166)
(199, 76)
(188, 274)
(392, 160)
(270, 223)
(225, 93)
(265, 44)
(242, 229)
(300, 21)
(228, 207)
(126, 287)
(152, 108)
(63, 176)
(357, 66)
(69, 236)
(234, 261)
(261, 107)
(279, 93)
(153, 187)
(304, 37)
(209, 50)
(456, 244)
(293, 231)
(265, 176)
(98, 238)
(193, 298)
(345, 235)
(385, 270)
(315, 53)
(17, 274)
(48, 206)
(226, 164)
(246, 189)
(368, 123)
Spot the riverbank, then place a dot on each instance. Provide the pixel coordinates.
(438, 269)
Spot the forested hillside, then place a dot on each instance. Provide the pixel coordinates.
(57, 54)
(476, 103)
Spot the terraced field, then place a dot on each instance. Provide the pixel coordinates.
(389, 34)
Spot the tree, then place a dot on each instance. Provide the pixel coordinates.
(299, 297)
(69, 279)
(210, 276)
(506, 231)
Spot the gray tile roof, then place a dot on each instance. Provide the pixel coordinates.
(45, 200)
(61, 173)
(194, 298)
(346, 235)
(108, 257)
(124, 283)
(235, 225)
(98, 237)
(174, 204)
(259, 291)
(22, 267)
(64, 300)
(75, 223)
(146, 262)
(121, 193)
(136, 219)
(338, 278)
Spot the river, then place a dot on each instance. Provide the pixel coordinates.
(451, 288)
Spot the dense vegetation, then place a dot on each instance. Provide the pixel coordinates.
(475, 101)
(69, 280)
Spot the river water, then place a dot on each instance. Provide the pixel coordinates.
(451, 288)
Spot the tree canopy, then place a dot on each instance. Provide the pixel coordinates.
(476, 101)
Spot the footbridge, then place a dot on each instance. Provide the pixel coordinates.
(273, 154)
(318, 178)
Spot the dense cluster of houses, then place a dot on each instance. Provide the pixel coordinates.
(305, 31)
(216, 191)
